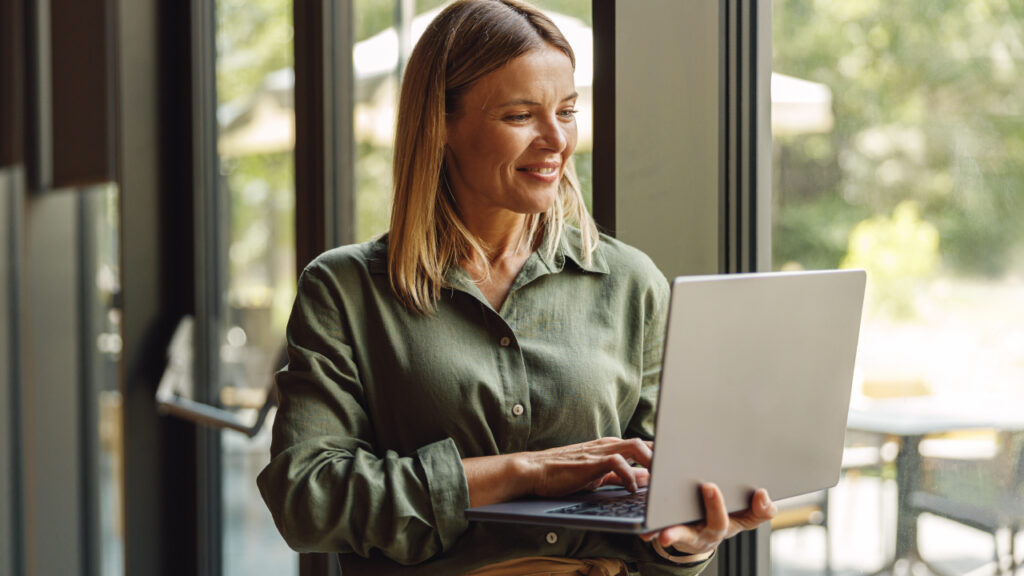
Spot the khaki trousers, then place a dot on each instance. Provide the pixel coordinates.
(547, 566)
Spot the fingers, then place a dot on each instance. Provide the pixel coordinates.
(633, 449)
(588, 465)
(762, 509)
(718, 524)
(621, 469)
(704, 537)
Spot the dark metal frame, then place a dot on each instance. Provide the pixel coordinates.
(12, 104)
(741, 129)
(324, 142)
(603, 12)
(154, 174)
(324, 151)
(739, 133)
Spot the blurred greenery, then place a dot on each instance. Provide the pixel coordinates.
(254, 38)
(928, 108)
(261, 239)
(373, 16)
(901, 251)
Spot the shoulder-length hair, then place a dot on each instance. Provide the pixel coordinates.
(466, 41)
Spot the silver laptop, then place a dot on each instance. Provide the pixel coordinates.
(755, 390)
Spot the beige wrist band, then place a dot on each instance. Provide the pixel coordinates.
(678, 558)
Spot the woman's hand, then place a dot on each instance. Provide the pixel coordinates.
(558, 471)
(701, 538)
(567, 469)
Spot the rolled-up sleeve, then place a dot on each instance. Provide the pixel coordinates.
(327, 485)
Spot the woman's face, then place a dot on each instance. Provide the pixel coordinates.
(512, 134)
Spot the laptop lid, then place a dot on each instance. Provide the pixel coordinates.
(755, 390)
(755, 387)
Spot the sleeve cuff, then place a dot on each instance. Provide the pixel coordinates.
(683, 559)
(449, 491)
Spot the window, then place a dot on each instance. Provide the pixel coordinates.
(255, 261)
(899, 148)
(101, 313)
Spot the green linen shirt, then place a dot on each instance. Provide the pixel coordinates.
(379, 405)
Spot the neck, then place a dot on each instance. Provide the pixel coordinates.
(500, 235)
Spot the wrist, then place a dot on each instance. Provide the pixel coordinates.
(523, 474)
(497, 478)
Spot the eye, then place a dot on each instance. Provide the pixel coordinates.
(568, 113)
(517, 117)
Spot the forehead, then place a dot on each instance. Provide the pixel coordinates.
(540, 74)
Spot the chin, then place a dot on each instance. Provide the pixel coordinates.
(539, 207)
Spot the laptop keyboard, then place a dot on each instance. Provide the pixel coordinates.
(627, 506)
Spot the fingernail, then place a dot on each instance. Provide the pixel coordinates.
(709, 491)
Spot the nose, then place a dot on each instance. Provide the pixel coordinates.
(551, 135)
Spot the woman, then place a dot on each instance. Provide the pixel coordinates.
(484, 349)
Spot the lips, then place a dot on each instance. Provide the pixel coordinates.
(543, 169)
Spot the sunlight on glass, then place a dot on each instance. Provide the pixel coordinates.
(898, 134)
(103, 241)
(256, 142)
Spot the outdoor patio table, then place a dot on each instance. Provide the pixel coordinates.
(910, 420)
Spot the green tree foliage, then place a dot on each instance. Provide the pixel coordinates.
(928, 107)
(900, 251)
(254, 38)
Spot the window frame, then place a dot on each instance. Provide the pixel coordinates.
(12, 525)
(727, 223)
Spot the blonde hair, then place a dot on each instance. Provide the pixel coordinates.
(466, 41)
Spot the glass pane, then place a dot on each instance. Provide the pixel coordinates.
(899, 148)
(256, 140)
(103, 332)
(377, 62)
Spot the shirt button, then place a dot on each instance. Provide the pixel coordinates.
(518, 410)
(505, 341)
(551, 537)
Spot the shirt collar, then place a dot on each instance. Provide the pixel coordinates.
(570, 247)
(377, 260)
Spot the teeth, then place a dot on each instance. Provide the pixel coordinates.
(541, 170)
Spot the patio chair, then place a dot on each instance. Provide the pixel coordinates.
(803, 511)
(984, 491)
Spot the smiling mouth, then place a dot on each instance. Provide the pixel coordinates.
(546, 170)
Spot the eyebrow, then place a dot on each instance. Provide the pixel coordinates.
(526, 102)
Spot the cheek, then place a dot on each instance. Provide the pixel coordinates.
(571, 139)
